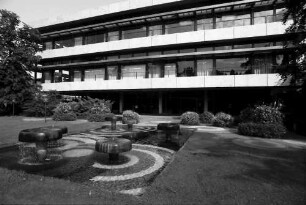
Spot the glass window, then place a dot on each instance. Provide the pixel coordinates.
(218, 48)
(134, 33)
(65, 76)
(205, 24)
(182, 26)
(232, 66)
(262, 64)
(57, 76)
(155, 70)
(48, 45)
(170, 70)
(113, 36)
(185, 68)
(112, 57)
(189, 50)
(170, 52)
(47, 76)
(133, 71)
(265, 44)
(64, 43)
(126, 56)
(262, 16)
(204, 67)
(204, 49)
(230, 20)
(77, 76)
(94, 74)
(155, 30)
(112, 72)
(78, 41)
(242, 46)
(139, 54)
(155, 53)
(95, 38)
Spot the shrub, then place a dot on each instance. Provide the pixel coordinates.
(190, 118)
(207, 117)
(272, 130)
(223, 120)
(70, 116)
(262, 114)
(99, 117)
(129, 115)
(63, 112)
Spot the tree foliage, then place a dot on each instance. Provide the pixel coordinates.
(19, 44)
(296, 10)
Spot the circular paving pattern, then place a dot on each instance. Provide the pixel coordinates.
(260, 143)
(107, 132)
(132, 161)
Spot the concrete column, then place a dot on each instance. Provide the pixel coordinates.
(205, 101)
(121, 101)
(160, 103)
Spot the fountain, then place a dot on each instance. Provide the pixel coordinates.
(34, 149)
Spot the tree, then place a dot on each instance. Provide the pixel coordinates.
(19, 44)
(296, 9)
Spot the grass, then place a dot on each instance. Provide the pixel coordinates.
(208, 169)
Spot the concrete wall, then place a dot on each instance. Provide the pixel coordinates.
(252, 80)
(178, 38)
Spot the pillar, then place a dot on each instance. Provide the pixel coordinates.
(160, 103)
(205, 101)
(121, 102)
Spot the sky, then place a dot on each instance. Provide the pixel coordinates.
(31, 11)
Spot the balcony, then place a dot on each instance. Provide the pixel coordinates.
(265, 29)
(138, 81)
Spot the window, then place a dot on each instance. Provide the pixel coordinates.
(230, 20)
(204, 49)
(189, 50)
(134, 33)
(262, 16)
(133, 71)
(242, 46)
(139, 54)
(233, 66)
(95, 38)
(64, 43)
(185, 68)
(113, 36)
(155, 70)
(218, 48)
(170, 52)
(77, 76)
(48, 45)
(265, 44)
(205, 24)
(170, 70)
(65, 76)
(78, 41)
(155, 53)
(112, 72)
(155, 30)
(182, 26)
(57, 76)
(126, 56)
(94, 74)
(204, 67)
(47, 76)
(112, 57)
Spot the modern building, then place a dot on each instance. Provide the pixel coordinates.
(169, 56)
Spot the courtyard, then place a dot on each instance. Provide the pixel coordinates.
(214, 166)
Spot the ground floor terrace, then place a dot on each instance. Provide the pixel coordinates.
(177, 101)
(215, 166)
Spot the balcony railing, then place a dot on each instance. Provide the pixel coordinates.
(263, 69)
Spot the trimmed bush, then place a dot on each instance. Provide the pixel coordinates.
(262, 130)
(207, 117)
(223, 120)
(129, 115)
(64, 116)
(190, 118)
(99, 117)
